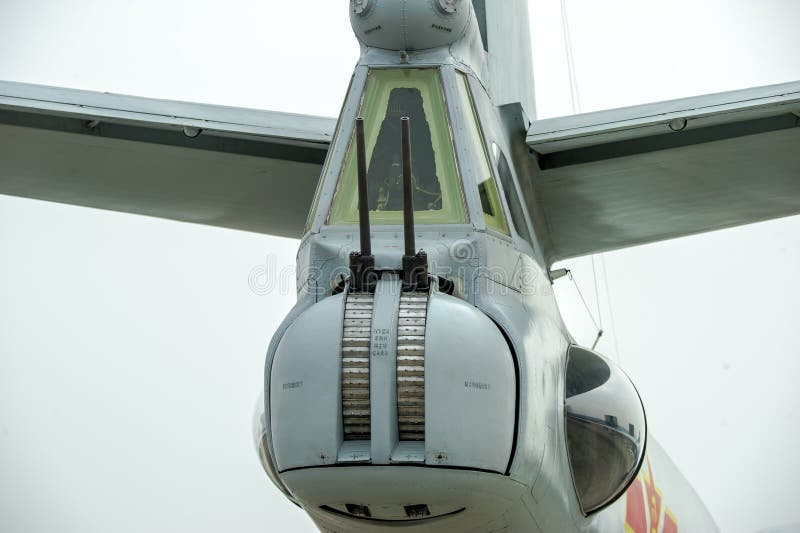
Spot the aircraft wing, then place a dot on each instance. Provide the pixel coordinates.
(617, 178)
(221, 166)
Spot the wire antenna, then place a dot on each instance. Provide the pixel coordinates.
(597, 325)
(573, 80)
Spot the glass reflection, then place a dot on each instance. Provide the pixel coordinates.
(605, 426)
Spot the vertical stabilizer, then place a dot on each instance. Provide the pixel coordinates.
(505, 29)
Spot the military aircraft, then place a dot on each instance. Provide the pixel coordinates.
(438, 390)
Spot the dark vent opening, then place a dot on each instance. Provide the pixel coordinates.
(417, 511)
(358, 510)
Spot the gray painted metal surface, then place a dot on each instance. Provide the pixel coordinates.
(392, 25)
(304, 388)
(510, 57)
(163, 114)
(383, 366)
(221, 166)
(460, 393)
(456, 497)
(629, 176)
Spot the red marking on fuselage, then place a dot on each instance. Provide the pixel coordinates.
(670, 524)
(653, 499)
(635, 517)
(643, 505)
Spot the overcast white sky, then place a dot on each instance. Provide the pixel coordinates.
(132, 349)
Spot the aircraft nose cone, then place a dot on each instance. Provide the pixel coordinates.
(409, 24)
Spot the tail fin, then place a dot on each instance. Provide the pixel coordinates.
(505, 30)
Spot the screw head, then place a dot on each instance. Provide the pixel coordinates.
(677, 124)
(449, 6)
(360, 7)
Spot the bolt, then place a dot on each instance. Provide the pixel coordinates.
(677, 124)
(191, 131)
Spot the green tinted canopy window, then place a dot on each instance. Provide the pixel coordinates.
(512, 198)
(389, 95)
(487, 188)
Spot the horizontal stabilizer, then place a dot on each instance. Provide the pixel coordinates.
(222, 166)
(622, 177)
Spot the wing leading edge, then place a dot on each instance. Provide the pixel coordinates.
(622, 177)
(221, 166)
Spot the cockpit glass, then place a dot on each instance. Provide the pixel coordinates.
(389, 95)
(487, 188)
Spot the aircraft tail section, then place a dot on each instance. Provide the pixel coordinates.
(505, 30)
